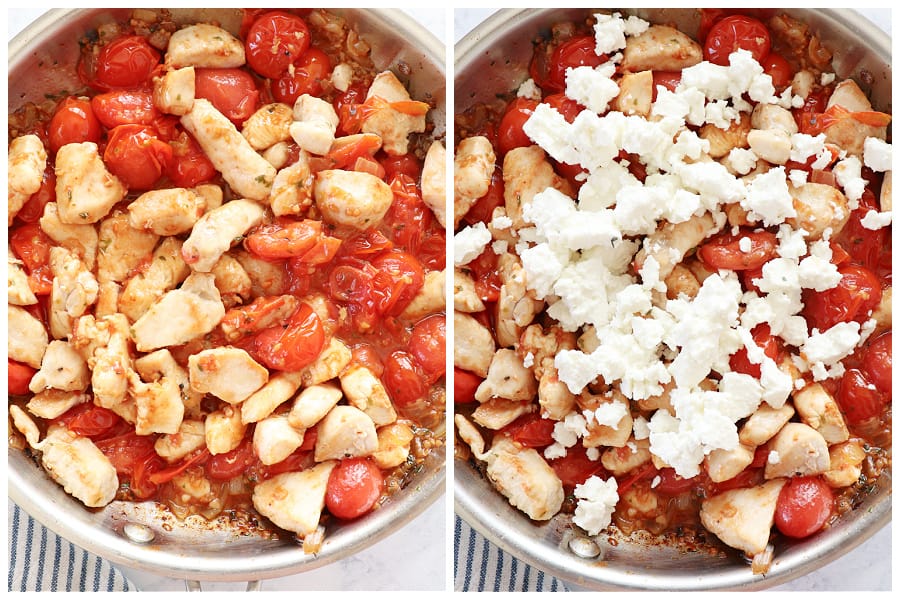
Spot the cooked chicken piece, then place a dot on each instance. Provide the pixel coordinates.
(192, 487)
(525, 478)
(819, 410)
(181, 315)
(351, 198)
(819, 207)
(635, 94)
(79, 467)
(174, 91)
(601, 431)
(430, 297)
(232, 281)
(846, 463)
(26, 161)
(473, 167)
(314, 124)
(849, 134)
(162, 365)
(313, 403)
(107, 299)
(393, 445)
(516, 307)
(19, 293)
(248, 173)
(292, 192)
(263, 402)
(797, 450)
(473, 344)
(366, 392)
(345, 432)
(465, 298)
(544, 346)
(885, 200)
(497, 413)
(251, 318)
(50, 404)
(743, 517)
(772, 116)
(25, 425)
(468, 433)
(191, 436)
(204, 45)
(165, 271)
(122, 248)
(554, 396)
(294, 501)
(507, 378)
(329, 364)
(80, 239)
(393, 126)
(277, 155)
(158, 405)
(274, 439)
(631, 455)
(216, 231)
(170, 211)
(660, 48)
(722, 141)
(661, 401)
(763, 424)
(74, 290)
(671, 242)
(111, 363)
(269, 125)
(85, 190)
(342, 76)
(224, 430)
(681, 282)
(227, 373)
(771, 145)
(802, 83)
(434, 181)
(723, 464)
(883, 312)
(268, 278)
(526, 172)
(62, 368)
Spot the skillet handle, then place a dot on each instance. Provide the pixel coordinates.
(192, 585)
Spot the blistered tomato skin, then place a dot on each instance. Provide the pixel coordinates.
(275, 41)
(73, 122)
(804, 506)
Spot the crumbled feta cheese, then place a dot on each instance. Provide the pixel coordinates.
(550, 130)
(501, 222)
(640, 428)
(529, 90)
(798, 177)
(610, 413)
(592, 87)
(831, 345)
(655, 481)
(804, 146)
(773, 458)
(848, 173)
(469, 243)
(528, 361)
(827, 78)
(768, 198)
(597, 500)
(592, 453)
(876, 220)
(609, 33)
(745, 244)
(742, 160)
(500, 247)
(877, 154)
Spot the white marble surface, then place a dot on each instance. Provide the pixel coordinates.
(414, 558)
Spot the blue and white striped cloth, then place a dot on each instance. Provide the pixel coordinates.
(483, 567)
(41, 561)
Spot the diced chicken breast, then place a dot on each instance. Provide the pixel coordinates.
(111, 363)
(669, 244)
(722, 141)
(723, 464)
(763, 424)
(313, 403)
(80, 239)
(62, 368)
(473, 344)
(314, 124)
(771, 145)
(278, 390)
(819, 207)
(216, 231)
(507, 378)
(473, 167)
(345, 432)
(329, 364)
(393, 445)
(204, 45)
(516, 307)
(555, 398)
(468, 433)
(269, 125)
(227, 373)
(883, 313)
(277, 155)
(191, 435)
(181, 315)
(51, 403)
(166, 270)
(352, 198)
(19, 292)
(800, 450)
(170, 211)
(274, 439)
(292, 192)
(743, 517)
(85, 190)
(465, 298)
(366, 392)
(819, 410)
(434, 181)
(430, 297)
(525, 478)
(122, 248)
(526, 171)
(174, 91)
(631, 455)
(224, 430)
(25, 425)
(158, 404)
(660, 48)
(79, 467)
(74, 290)
(232, 281)
(598, 434)
(772, 116)
(846, 463)
(850, 134)
(248, 173)
(393, 126)
(26, 161)
(635, 94)
(497, 413)
(294, 501)
(342, 76)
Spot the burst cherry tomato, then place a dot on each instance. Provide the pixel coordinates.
(667, 79)
(575, 467)
(124, 107)
(877, 362)
(128, 451)
(286, 239)
(736, 32)
(464, 386)
(672, 484)
(92, 421)
(531, 430)
(33, 210)
(125, 62)
(73, 122)
(763, 337)
(136, 155)
(803, 507)
(232, 91)
(858, 397)
(275, 41)
(565, 106)
(31, 245)
(854, 298)
(404, 379)
(724, 250)
(293, 347)
(406, 164)
(399, 279)
(483, 209)
(510, 134)
(223, 467)
(310, 71)
(189, 166)
(864, 245)
(427, 344)
(778, 68)
(576, 52)
(354, 486)
(20, 376)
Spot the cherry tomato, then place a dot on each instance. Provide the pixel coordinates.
(531, 430)
(565, 106)
(284, 239)
(854, 298)
(275, 41)
(672, 484)
(136, 155)
(723, 251)
(246, 319)
(232, 91)
(365, 355)
(354, 487)
(127, 451)
(487, 277)
(310, 71)
(399, 279)
(366, 244)
(736, 32)
(510, 133)
(803, 507)
(575, 467)
(770, 345)
(576, 52)
(858, 397)
(464, 385)
(73, 122)
(31, 245)
(297, 460)
(33, 210)
(778, 68)
(125, 62)
(746, 478)
(864, 246)
(877, 362)
(483, 209)
(20, 376)
(124, 107)
(403, 378)
(92, 421)
(189, 166)
(223, 467)
(165, 475)
(427, 344)
(293, 347)
(408, 220)
(345, 105)
(406, 164)
(667, 79)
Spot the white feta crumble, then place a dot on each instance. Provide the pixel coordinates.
(768, 198)
(827, 78)
(501, 222)
(610, 413)
(597, 501)
(500, 247)
(640, 428)
(469, 243)
(592, 87)
(610, 30)
(829, 346)
(742, 160)
(798, 177)
(848, 173)
(877, 154)
(804, 146)
(773, 458)
(555, 450)
(745, 245)
(529, 89)
(592, 453)
(876, 220)
(655, 481)
(550, 130)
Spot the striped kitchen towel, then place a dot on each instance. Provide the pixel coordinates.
(41, 561)
(481, 566)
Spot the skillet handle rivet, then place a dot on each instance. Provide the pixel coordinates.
(584, 547)
(139, 534)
